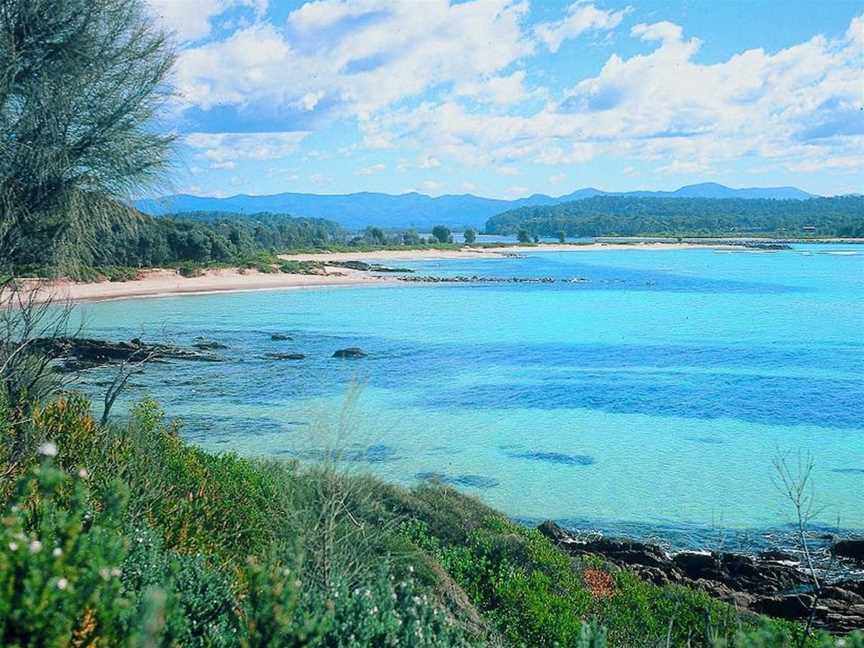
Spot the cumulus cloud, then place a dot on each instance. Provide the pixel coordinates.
(581, 17)
(799, 105)
(359, 57)
(190, 20)
(499, 90)
(224, 148)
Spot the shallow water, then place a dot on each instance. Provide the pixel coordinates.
(654, 395)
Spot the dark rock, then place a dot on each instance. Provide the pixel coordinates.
(89, 352)
(280, 337)
(350, 352)
(284, 356)
(768, 583)
(366, 267)
(790, 606)
(207, 345)
(555, 533)
(853, 549)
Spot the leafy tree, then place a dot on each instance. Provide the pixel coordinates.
(562, 236)
(375, 235)
(80, 84)
(411, 238)
(470, 235)
(523, 236)
(442, 234)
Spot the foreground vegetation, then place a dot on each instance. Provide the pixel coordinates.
(125, 535)
(631, 216)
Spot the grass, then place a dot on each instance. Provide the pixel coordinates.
(129, 536)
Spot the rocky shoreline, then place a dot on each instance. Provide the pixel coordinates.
(770, 582)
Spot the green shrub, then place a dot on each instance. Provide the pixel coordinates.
(772, 636)
(388, 612)
(196, 603)
(59, 568)
(189, 270)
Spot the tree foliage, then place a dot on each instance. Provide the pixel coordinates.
(81, 82)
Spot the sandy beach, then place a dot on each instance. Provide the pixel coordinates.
(163, 282)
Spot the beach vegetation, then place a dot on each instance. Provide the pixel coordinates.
(442, 234)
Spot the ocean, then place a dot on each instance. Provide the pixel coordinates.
(652, 395)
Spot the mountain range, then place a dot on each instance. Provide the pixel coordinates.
(415, 210)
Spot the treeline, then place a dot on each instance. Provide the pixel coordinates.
(629, 216)
(123, 237)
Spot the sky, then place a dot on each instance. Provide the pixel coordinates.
(505, 98)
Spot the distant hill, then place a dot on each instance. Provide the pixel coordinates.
(356, 211)
(635, 215)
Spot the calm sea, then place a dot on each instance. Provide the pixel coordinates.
(655, 393)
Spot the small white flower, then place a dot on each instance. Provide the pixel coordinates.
(104, 573)
(83, 474)
(48, 449)
(13, 546)
(35, 547)
(62, 584)
(57, 552)
(410, 569)
(115, 571)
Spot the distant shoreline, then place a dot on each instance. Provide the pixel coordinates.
(165, 282)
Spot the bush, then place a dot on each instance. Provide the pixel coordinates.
(189, 270)
(59, 569)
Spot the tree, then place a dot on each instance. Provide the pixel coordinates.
(470, 235)
(80, 84)
(562, 236)
(523, 236)
(376, 236)
(411, 238)
(442, 234)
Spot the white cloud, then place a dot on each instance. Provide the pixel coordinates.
(225, 148)
(428, 162)
(190, 20)
(581, 17)
(430, 186)
(797, 106)
(557, 178)
(372, 170)
(517, 192)
(391, 51)
(501, 90)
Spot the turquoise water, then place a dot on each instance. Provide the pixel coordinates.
(655, 394)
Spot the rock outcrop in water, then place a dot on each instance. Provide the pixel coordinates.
(350, 352)
(284, 356)
(772, 583)
(852, 549)
(83, 353)
(483, 280)
(365, 267)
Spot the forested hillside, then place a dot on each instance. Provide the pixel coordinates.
(632, 216)
(123, 237)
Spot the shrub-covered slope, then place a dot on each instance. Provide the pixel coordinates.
(127, 536)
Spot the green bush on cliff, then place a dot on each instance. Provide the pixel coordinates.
(162, 543)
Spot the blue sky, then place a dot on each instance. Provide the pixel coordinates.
(506, 98)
